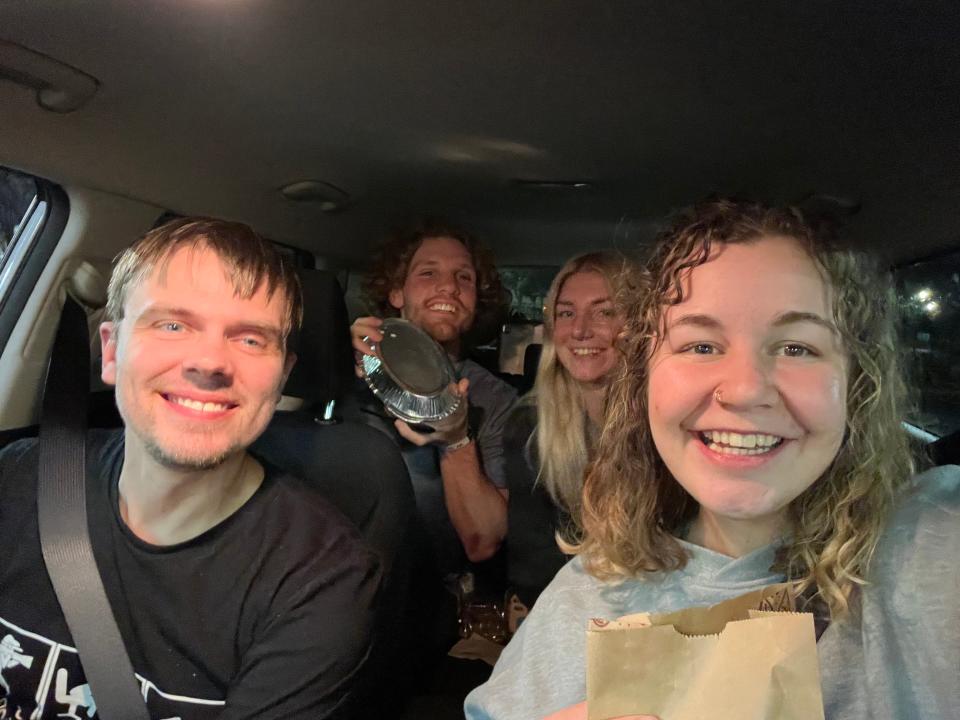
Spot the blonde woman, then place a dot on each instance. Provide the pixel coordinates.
(549, 437)
(754, 436)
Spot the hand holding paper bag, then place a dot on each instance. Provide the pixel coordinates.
(749, 658)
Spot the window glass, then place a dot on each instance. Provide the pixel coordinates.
(528, 286)
(929, 297)
(16, 193)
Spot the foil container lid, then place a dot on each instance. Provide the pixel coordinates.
(412, 376)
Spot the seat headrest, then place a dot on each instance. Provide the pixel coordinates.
(324, 368)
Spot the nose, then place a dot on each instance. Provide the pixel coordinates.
(209, 365)
(746, 381)
(447, 283)
(582, 326)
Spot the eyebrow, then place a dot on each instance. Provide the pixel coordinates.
(696, 320)
(598, 301)
(796, 316)
(462, 266)
(271, 332)
(788, 318)
(155, 311)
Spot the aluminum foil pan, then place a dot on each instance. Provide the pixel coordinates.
(412, 376)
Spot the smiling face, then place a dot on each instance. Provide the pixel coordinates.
(585, 326)
(198, 369)
(439, 293)
(747, 391)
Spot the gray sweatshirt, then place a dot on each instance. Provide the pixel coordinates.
(898, 656)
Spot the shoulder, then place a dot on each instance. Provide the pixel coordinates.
(933, 497)
(523, 416)
(917, 553)
(18, 452)
(309, 534)
(305, 507)
(521, 422)
(19, 461)
(486, 386)
(18, 473)
(939, 486)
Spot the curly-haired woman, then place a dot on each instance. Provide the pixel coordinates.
(754, 437)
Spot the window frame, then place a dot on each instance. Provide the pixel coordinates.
(32, 258)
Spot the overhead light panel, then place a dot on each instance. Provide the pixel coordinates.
(555, 184)
(328, 197)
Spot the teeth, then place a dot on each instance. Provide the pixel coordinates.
(443, 307)
(586, 351)
(727, 450)
(199, 406)
(756, 442)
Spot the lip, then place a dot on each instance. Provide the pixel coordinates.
(738, 461)
(198, 414)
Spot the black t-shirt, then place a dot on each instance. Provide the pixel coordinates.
(533, 519)
(266, 615)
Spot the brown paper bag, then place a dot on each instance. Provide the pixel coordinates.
(749, 658)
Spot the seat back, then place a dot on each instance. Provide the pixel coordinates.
(531, 360)
(356, 468)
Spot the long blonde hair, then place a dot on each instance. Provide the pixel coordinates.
(561, 435)
(633, 507)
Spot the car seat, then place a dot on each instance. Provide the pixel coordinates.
(355, 467)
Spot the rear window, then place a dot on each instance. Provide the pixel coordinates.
(929, 296)
(527, 286)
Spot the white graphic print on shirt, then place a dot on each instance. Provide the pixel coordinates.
(41, 678)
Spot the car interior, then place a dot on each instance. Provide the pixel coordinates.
(546, 128)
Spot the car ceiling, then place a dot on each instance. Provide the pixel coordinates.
(210, 106)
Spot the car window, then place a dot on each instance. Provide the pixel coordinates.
(528, 286)
(17, 192)
(929, 298)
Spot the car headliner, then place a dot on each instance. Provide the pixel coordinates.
(210, 106)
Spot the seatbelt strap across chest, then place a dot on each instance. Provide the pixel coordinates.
(62, 517)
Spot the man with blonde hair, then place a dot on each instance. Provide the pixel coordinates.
(238, 592)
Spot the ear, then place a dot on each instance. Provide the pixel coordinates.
(108, 359)
(396, 298)
(288, 364)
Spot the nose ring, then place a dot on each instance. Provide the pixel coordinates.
(718, 396)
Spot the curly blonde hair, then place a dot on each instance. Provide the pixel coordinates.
(632, 507)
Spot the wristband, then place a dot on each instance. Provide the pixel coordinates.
(461, 443)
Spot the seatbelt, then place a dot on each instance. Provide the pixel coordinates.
(62, 515)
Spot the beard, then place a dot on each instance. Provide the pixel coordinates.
(184, 460)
